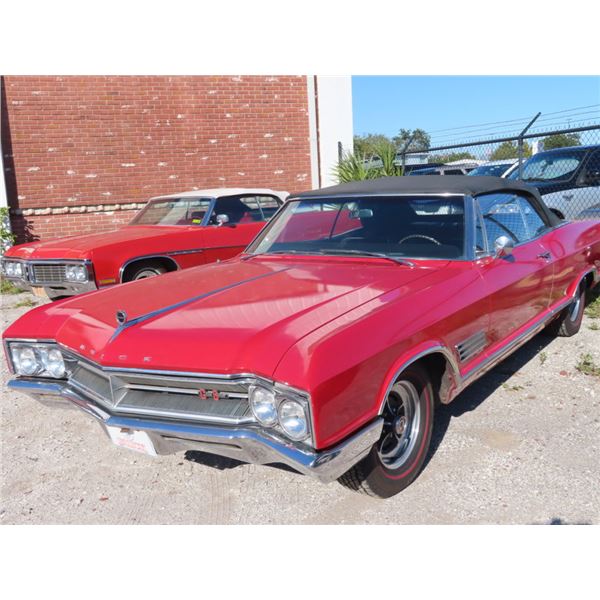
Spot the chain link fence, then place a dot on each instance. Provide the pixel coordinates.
(564, 164)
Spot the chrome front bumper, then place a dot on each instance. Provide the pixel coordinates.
(247, 444)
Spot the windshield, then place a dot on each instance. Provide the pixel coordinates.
(173, 211)
(403, 226)
(555, 166)
(494, 170)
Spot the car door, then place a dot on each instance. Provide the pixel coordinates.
(234, 223)
(519, 285)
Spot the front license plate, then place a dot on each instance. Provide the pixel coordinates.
(130, 438)
(39, 292)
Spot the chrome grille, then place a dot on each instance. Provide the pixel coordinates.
(50, 273)
(170, 396)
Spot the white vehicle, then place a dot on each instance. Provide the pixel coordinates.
(496, 168)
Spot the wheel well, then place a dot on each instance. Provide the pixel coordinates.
(442, 375)
(558, 213)
(589, 280)
(167, 263)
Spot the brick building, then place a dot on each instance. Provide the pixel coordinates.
(82, 154)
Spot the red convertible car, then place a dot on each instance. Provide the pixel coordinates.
(326, 344)
(170, 233)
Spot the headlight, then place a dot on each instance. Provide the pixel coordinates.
(13, 269)
(41, 360)
(76, 273)
(292, 419)
(263, 405)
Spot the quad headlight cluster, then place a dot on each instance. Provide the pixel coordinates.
(272, 408)
(13, 269)
(77, 273)
(37, 360)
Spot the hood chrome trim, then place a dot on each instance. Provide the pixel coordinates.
(156, 313)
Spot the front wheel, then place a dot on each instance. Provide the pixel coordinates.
(145, 271)
(397, 458)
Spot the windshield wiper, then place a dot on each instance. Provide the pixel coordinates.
(348, 251)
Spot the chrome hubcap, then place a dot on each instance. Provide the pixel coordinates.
(401, 421)
(146, 274)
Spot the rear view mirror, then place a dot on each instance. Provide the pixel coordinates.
(503, 246)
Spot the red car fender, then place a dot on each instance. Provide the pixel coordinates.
(451, 385)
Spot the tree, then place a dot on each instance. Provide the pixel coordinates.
(366, 144)
(510, 150)
(447, 158)
(561, 140)
(356, 166)
(420, 142)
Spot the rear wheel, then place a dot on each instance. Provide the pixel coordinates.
(569, 321)
(397, 458)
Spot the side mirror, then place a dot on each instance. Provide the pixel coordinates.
(222, 220)
(503, 247)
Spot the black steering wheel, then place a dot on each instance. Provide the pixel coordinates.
(422, 237)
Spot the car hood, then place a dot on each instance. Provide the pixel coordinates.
(82, 246)
(233, 317)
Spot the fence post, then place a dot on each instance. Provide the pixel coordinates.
(521, 144)
(404, 149)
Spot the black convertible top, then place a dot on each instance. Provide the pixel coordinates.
(429, 184)
(432, 184)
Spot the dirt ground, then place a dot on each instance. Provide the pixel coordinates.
(522, 445)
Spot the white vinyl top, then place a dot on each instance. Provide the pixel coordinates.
(218, 192)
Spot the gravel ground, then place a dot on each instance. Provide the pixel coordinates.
(522, 445)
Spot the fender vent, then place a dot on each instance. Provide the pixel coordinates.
(471, 346)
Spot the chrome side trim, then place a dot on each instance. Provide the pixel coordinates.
(513, 345)
(180, 252)
(248, 443)
(462, 381)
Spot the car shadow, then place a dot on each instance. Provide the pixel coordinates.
(223, 463)
(484, 387)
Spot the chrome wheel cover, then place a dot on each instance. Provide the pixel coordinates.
(146, 274)
(402, 420)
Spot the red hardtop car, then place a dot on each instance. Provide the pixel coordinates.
(170, 233)
(328, 342)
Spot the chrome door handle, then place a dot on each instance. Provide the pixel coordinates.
(545, 255)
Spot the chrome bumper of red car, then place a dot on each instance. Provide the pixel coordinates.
(247, 444)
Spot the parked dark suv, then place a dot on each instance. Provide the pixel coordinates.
(568, 178)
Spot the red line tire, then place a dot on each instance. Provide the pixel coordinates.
(382, 473)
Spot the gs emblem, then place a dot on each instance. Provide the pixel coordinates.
(206, 394)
